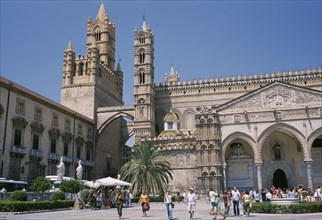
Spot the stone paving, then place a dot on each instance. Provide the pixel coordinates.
(157, 211)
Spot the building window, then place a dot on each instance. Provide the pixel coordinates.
(55, 120)
(79, 129)
(67, 124)
(142, 57)
(20, 106)
(97, 36)
(53, 145)
(142, 39)
(78, 152)
(170, 125)
(66, 148)
(17, 137)
(89, 132)
(35, 142)
(142, 77)
(38, 113)
(88, 154)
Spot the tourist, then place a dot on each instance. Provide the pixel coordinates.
(263, 195)
(269, 196)
(119, 202)
(246, 200)
(256, 196)
(184, 195)
(168, 203)
(215, 199)
(191, 201)
(235, 197)
(226, 200)
(212, 198)
(144, 201)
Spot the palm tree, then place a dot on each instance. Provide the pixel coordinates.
(146, 171)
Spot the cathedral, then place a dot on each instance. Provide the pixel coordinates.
(246, 131)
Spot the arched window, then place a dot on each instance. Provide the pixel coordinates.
(142, 77)
(97, 36)
(142, 39)
(81, 68)
(142, 57)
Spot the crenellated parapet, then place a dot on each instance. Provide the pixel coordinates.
(310, 78)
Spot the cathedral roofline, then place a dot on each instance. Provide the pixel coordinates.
(262, 78)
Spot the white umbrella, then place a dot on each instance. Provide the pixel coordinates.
(92, 184)
(109, 181)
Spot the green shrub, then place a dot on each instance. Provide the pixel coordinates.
(18, 195)
(85, 195)
(18, 206)
(58, 195)
(302, 207)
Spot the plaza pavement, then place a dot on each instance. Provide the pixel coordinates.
(157, 211)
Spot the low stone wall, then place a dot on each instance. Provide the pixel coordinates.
(285, 201)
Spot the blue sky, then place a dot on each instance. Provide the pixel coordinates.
(202, 39)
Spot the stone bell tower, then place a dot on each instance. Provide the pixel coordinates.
(90, 81)
(144, 97)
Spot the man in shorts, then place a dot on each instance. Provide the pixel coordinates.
(191, 202)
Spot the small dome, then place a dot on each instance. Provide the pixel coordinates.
(170, 133)
(171, 117)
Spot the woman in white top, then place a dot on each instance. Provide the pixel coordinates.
(168, 203)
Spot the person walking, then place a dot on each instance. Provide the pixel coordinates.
(235, 197)
(214, 197)
(119, 202)
(191, 202)
(168, 203)
(144, 201)
(226, 200)
(246, 200)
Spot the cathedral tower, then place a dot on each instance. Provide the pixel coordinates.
(144, 97)
(90, 81)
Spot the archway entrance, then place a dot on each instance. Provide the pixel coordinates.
(279, 179)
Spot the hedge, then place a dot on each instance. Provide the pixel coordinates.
(299, 208)
(18, 206)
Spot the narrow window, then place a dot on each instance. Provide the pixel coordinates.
(53, 146)
(142, 77)
(35, 142)
(88, 154)
(17, 137)
(65, 148)
(78, 152)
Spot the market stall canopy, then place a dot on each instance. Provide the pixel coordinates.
(92, 184)
(109, 181)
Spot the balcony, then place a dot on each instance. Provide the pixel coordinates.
(67, 159)
(54, 156)
(18, 150)
(36, 153)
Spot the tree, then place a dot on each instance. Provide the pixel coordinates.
(146, 171)
(70, 186)
(40, 184)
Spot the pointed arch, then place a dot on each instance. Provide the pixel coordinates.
(230, 138)
(112, 118)
(311, 138)
(286, 129)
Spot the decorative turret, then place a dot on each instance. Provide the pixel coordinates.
(172, 77)
(68, 67)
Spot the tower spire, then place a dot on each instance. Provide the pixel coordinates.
(101, 15)
(144, 25)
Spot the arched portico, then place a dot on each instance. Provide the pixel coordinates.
(238, 164)
(280, 147)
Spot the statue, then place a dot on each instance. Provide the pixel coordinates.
(60, 169)
(79, 170)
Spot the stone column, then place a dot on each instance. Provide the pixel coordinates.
(224, 165)
(309, 174)
(259, 177)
